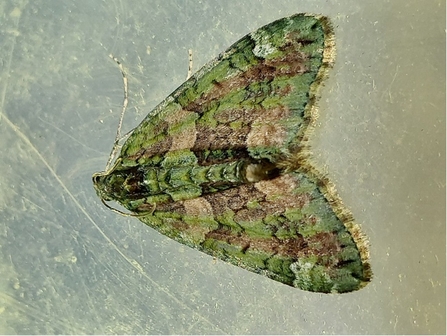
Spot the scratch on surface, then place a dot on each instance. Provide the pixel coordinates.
(68, 135)
(111, 243)
(36, 312)
(139, 269)
(391, 84)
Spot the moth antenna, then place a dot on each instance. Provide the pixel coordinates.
(120, 123)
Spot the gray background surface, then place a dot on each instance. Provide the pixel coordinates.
(70, 265)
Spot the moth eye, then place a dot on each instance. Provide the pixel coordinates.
(96, 179)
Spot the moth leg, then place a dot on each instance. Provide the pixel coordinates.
(146, 213)
(189, 63)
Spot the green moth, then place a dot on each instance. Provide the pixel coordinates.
(223, 165)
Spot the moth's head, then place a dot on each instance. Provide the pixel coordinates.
(103, 182)
(102, 185)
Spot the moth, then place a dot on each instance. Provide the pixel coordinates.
(223, 164)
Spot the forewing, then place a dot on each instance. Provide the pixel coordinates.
(284, 228)
(253, 100)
